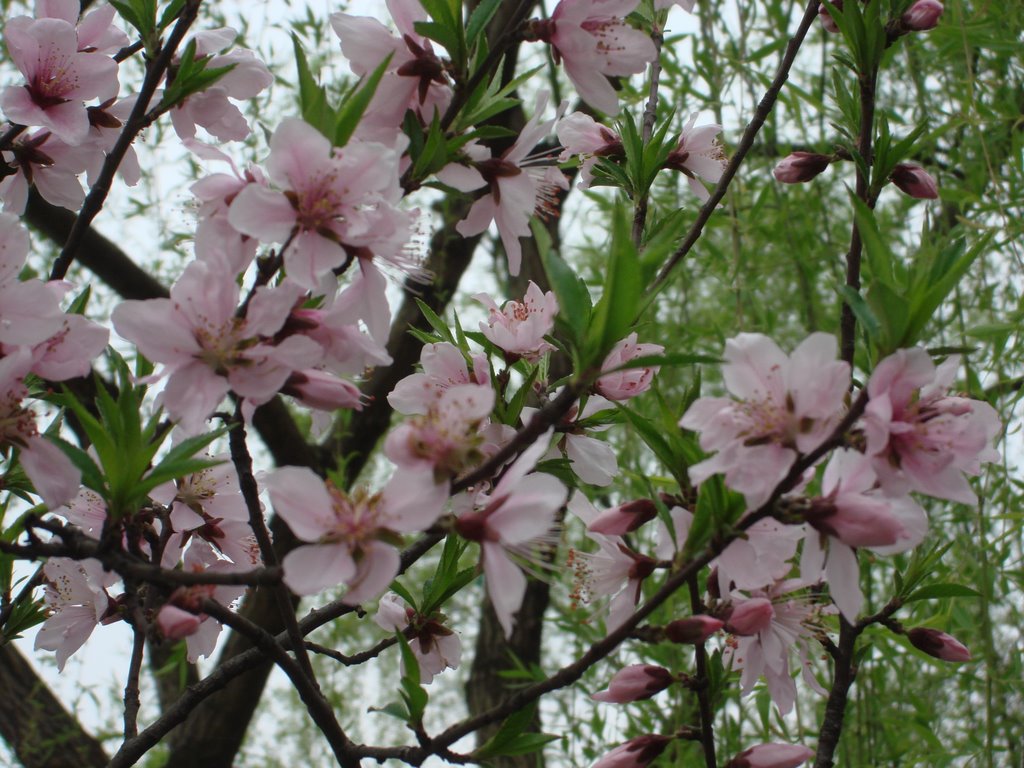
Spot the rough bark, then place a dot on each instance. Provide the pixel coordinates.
(35, 724)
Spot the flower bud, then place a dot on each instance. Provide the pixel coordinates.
(869, 524)
(826, 18)
(799, 167)
(772, 756)
(625, 518)
(322, 390)
(634, 683)
(175, 624)
(938, 644)
(750, 616)
(922, 15)
(635, 753)
(693, 630)
(915, 181)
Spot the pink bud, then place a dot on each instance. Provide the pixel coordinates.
(861, 525)
(826, 18)
(772, 756)
(322, 390)
(915, 181)
(627, 382)
(695, 629)
(938, 644)
(635, 753)
(799, 167)
(175, 623)
(750, 616)
(623, 519)
(922, 15)
(635, 682)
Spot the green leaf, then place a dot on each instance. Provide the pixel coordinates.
(509, 737)
(436, 322)
(312, 96)
(479, 18)
(620, 300)
(938, 591)
(351, 112)
(574, 307)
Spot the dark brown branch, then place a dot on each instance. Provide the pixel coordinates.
(764, 108)
(318, 707)
(847, 320)
(77, 545)
(242, 460)
(40, 732)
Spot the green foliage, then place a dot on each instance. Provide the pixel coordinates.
(126, 470)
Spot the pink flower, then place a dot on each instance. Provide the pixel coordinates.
(415, 76)
(615, 570)
(852, 513)
(332, 201)
(792, 625)
(915, 181)
(634, 683)
(96, 33)
(435, 647)
(516, 191)
(519, 328)
(920, 438)
(519, 510)
(211, 108)
(635, 753)
(54, 476)
(49, 164)
(206, 350)
(76, 594)
(59, 77)
(626, 383)
(698, 156)
(922, 15)
(592, 460)
(447, 440)
(772, 756)
(593, 41)
(444, 366)
(787, 405)
(351, 535)
(938, 644)
(799, 167)
(581, 135)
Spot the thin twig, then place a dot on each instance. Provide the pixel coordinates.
(132, 702)
(707, 715)
(764, 108)
(847, 320)
(319, 708)
(76, 545)
(136, 122)
(242, 460)
(356, 658)
(646, 131)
